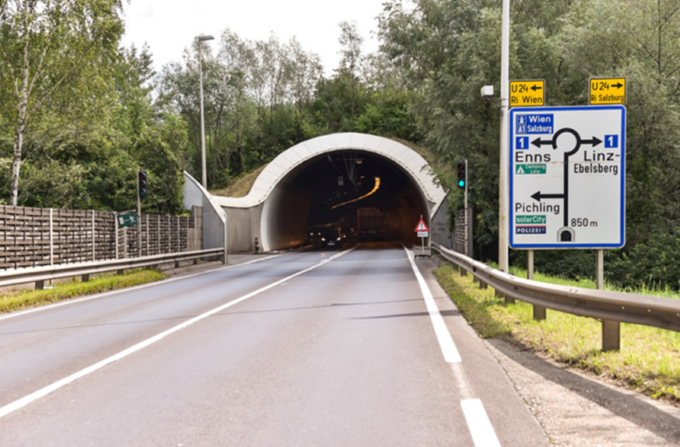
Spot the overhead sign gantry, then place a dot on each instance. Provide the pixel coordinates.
(567, 177)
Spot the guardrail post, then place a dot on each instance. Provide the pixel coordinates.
(508, 300)
(539, 313)
(85, 278)
(39, 285)
(482, 284)
(611, 335)
(120, 272)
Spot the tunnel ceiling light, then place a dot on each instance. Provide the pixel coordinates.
(359, 161)
(375, 188)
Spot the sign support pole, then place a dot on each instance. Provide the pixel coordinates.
(599, 265)
(422, 240)
(611, 330)
(503, 223)
(530, 264)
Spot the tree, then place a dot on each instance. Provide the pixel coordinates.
(351, 41)
(50, 50)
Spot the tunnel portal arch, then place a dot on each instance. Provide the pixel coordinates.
(277, 209)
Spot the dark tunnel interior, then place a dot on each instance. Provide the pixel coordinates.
(355, 195)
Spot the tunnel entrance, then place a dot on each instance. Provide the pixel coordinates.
(343, 182)
(347, 195)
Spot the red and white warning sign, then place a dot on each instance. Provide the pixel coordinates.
(422, 229)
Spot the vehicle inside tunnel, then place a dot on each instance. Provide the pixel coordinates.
(344, 196)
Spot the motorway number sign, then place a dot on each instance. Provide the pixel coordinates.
(567, 177)
(605, 91)
(527, 93)
(127, 220)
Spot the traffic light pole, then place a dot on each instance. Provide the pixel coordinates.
(139, 219)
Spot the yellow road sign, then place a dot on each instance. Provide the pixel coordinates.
(527, 93)
(607, 91)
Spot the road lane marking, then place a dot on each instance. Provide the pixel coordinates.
(20, 403)
(483, 434)
(128, 289)
(481, 429)
(446, 343)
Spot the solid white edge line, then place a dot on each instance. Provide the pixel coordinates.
(481, 429)
(483, 434)
(128, 289)
(448, 347)
(17, 404)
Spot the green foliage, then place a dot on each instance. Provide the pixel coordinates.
(475, 311)
(448, 49)
(648, 359)
(263, 97)
(72, 289)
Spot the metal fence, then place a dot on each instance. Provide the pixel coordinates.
(33, 237)
(459, 231)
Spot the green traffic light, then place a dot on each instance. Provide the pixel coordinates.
(461, 183)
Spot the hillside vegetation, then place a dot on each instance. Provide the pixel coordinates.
(78, 142)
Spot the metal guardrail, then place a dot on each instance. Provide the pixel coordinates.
(612, 308)
(39, 275)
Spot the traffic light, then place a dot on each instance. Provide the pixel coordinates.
(462, 174)
(142, 184)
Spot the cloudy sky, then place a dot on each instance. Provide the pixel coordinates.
(168, 26)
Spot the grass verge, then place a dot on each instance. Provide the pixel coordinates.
(24, 299)
(586, 283)
(649, 360)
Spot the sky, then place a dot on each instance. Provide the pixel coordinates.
(169, 26)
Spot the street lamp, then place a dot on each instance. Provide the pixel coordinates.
(503, 223)
(200, 39)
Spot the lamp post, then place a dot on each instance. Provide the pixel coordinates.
(204, 171)
(503, 223)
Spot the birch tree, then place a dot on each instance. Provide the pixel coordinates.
(50, 52)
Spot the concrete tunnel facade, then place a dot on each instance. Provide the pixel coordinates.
(314, 185)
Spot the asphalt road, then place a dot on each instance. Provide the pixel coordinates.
(344, 353)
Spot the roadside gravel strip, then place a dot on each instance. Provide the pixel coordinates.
(576, 409)
(26, 400)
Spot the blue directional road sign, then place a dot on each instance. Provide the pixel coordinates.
(567, 185)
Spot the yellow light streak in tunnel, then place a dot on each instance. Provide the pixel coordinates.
(375, 188)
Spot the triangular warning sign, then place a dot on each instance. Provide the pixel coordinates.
(421, 226)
